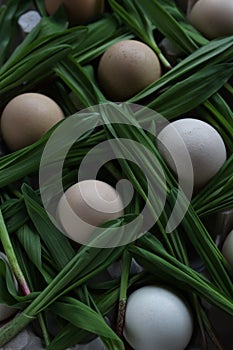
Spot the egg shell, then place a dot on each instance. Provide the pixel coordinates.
(204, 144)
(78, 11)
(126, 68)
(157, 318)
(227, 249)
(213, 18)
(86, 205)
(27, 117)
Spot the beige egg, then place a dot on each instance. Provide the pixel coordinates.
(203, 143)
(213, 18)
(27, 117)
(78, 11)
(126, 68)
(86, 205)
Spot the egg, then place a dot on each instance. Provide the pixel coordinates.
(204, 144)
(126, 68)
(213, 18)
(157, 318)
(227, 248)
(27, 117)
(86, 205)
(5, 310)
(78, 11)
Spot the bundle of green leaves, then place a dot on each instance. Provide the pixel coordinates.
(53, 274)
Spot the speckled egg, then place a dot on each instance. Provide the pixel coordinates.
(27, 117)
(203, 143)
(126, 68)
(78, 11)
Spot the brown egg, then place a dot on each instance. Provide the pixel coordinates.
(213, 18)
(126, 68)
(86, 205)
(78, 11)
(27, 117)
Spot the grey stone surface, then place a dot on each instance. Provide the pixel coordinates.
(115, 269)
(28, 21)
(95, 344)
(25, 340)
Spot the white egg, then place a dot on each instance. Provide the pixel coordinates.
(203, 143)
(227, 249)
(86, 205)
(157, 318)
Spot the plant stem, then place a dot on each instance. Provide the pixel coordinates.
(126, 263)
(12, 328)
(161, 56)
(43, 329)
(6, 242)
(229, 88)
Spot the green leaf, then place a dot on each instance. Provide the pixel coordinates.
(26, 161)
(34, 278)
(8, 25)
(133, 16)
(84, 265)
(173, 9)
(67, 337)
(85, 318)
(7, 285)
(76, 78)
(170, 271)
(203, 243)
(15, 166)
(179, 98)
(38, 68)
(14, 213)
(58, 245)
(215, 52)
(101, 34)
(217, 194)
(31, 243)
(168, 25)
